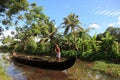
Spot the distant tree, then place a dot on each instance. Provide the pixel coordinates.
(115, 32)
(71, 24)
(99, 37)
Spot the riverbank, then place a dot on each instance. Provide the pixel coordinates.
(3, 75)
(107, 68)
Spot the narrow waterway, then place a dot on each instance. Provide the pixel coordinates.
(79, 71)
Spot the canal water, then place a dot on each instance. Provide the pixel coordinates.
(79, 71)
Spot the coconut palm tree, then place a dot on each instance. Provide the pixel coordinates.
(71, 25)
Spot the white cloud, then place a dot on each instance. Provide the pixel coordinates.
(95, 26)
(116, 13)
(103, 12)
(118, 23)
(111, 24)
(107, 12)
(97, 12)
(115, 24)
(119, 18)
(112, 13)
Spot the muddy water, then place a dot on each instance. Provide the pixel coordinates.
(79, 71)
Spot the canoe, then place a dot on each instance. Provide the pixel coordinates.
(35, 62)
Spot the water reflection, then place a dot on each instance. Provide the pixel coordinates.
(80, 71)
(23, 72)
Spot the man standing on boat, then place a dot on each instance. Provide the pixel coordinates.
(58, 54)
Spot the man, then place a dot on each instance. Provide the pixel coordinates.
(58, 54)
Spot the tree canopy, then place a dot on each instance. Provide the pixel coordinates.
(114, 31)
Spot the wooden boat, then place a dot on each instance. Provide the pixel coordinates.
(35, 62)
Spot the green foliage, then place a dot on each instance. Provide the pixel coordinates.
(31, 46)
(4, 48)
(6, 40)
(69, 53)
(113, 31)
(109, 47)
(9, 11)
(71, 25)
(3, 75)
(43, 49)
(108, 68)
(16, 6)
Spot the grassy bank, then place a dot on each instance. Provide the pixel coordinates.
(3, 75)
(107, 68)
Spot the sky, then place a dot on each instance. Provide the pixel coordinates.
(97, 14)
